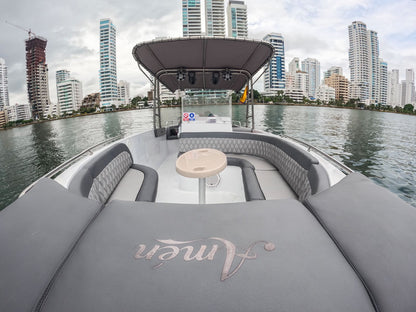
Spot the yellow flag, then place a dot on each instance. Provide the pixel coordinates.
(243, 98)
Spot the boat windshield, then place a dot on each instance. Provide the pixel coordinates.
(206, 111)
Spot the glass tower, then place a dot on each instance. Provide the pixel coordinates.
(108, 65)
(274, 77)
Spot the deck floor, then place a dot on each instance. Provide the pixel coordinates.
(174, 188)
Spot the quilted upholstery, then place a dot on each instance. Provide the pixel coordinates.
(295, 175)
(104, 184)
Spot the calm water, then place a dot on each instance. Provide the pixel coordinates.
(382, 146)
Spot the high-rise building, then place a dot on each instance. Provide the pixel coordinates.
(191, 18)
(69, 96)
(333, 70)
(313, 68)
(108, 64)
(383, 82)
(294, 66)
(359, 61)
(274, 77)
(123, 88)
(374, 66)
(408, 88)
(214, 18)
(4, 85)
(62, 75)
(364, 63)
(393, 88)
(237, 19)
(341, 86)
(37, 77)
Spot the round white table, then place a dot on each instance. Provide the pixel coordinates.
(201, 163)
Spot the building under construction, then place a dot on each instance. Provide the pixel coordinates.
(37, 76)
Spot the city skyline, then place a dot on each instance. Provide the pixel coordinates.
(311, 30)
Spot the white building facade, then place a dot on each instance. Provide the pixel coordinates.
(19, 112)
(214, 18)
(359, 61)
(408, 88)
(325, 93)
(313, 68)
(108, 65)
(4, 85)
(274, 76)
(394, 89)
(69, 96)
(62, 75)
(191, 18)
(333, 70)
(123, 88)
(383, 86)
(237, 19)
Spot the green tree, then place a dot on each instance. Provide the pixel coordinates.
(408, 109)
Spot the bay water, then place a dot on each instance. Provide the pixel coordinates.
(380, 145)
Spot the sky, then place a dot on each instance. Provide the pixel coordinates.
(311, 28)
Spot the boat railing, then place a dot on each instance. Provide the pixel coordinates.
(57, 170)
(339, 165)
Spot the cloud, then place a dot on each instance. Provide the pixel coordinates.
(316, 29)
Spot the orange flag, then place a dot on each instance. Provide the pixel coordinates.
(243, 98)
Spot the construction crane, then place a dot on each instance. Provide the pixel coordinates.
(29, 32)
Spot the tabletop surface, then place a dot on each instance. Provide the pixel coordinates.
(201, 163)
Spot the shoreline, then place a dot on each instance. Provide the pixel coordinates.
(170, 106)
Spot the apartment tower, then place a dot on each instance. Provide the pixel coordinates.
(237, 19)
(383, 82)
(37, 77)
(214, 18)
(364, 63)
(4, 85)
(333, 70)
(62, 75)
(341, 86)
(191, 18)
(69, 92)
(393, 88)
(108, 65)
(274, 77)
(313, 68)
(123, 88)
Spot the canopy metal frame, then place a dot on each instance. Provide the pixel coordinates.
(160, 72)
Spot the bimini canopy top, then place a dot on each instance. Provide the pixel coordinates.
(203, 63)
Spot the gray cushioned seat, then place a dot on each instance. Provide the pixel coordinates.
(376, 231)
(292, 264)
(37, 233)
(299, 168)
(99, 177)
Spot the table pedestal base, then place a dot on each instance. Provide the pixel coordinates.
(202, 190)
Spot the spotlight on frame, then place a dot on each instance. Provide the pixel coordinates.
(215, 77)
(191, 77)
(226, 75)
(180, 75)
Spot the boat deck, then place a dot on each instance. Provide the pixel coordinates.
(226, 187)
